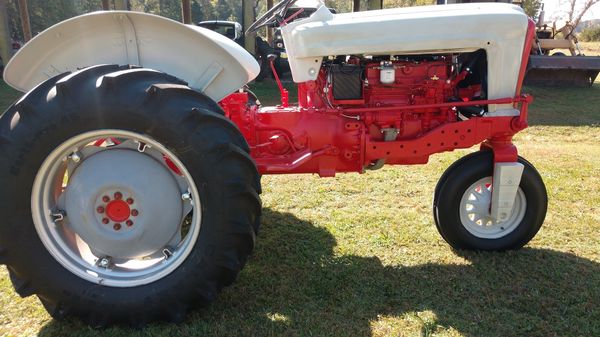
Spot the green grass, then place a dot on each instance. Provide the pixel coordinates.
(358, 255)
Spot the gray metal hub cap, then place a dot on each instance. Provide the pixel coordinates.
(137, 177)
(475, 211)
(116, 208)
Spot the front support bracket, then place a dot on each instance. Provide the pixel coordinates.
(507, 176)
(506, 180)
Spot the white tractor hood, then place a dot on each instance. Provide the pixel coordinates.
(208, 61)
(500, 29)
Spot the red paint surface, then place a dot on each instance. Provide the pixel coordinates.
(324, 136)
(118, 210)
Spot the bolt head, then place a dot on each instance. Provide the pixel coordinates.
(117, 227)
(75, 157)
(118, 195)
(105, 221)
(130, 201)
(134, 212)
(105, 198)
(100, 209)
(129, 223)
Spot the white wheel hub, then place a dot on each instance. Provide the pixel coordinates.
(475, 213)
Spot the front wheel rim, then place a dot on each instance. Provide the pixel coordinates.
(104, 231)
(475, 213)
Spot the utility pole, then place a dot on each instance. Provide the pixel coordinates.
(186, 11)
(248, 7)
(105, 5)
(356, 6)
(25, 20)
(5, 40)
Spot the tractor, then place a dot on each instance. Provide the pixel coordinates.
(132, 164)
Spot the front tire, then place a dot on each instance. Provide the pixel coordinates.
(174, 225)
(461, 206)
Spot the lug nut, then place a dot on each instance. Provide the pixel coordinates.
(105, 221)
(100, 209)
(118, 195)
(75, 157)
(105, 198)
(129, 223)
(134, 212)
(117, 226)
(104, 262)
(129, 201)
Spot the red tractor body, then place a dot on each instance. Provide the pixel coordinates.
(401, 122)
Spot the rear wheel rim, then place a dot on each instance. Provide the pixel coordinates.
(121, 232)
(475, 213)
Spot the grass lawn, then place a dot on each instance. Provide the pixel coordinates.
(590, 48)
(359, 255)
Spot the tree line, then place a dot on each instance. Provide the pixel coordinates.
(44, 13)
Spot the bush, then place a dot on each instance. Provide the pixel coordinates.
(590, 34)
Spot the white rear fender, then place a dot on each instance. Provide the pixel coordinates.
(208, 61)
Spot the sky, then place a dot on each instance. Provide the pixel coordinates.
(556, 9)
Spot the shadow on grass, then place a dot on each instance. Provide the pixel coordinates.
(296, 286)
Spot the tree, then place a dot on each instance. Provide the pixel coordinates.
(224, 10)
(42, 14)
(203, 10)
(167, 8)
(532, 8)
(577, 9)
(590, 34)
(343, 6)
(407, 3)
(170, 9)
(87, 6)
(14, 21)
(5, 40)
(146, 6)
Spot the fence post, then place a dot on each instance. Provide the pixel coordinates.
(186, 11)
(25, 20)
(248, 7)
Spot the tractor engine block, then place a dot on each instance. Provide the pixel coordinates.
(357, 101)
(397, 82)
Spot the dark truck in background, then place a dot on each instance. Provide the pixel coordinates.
(230, 29)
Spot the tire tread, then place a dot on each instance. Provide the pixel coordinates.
(141, 91)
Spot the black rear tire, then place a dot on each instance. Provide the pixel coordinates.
(453, 185)
(162, 107)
